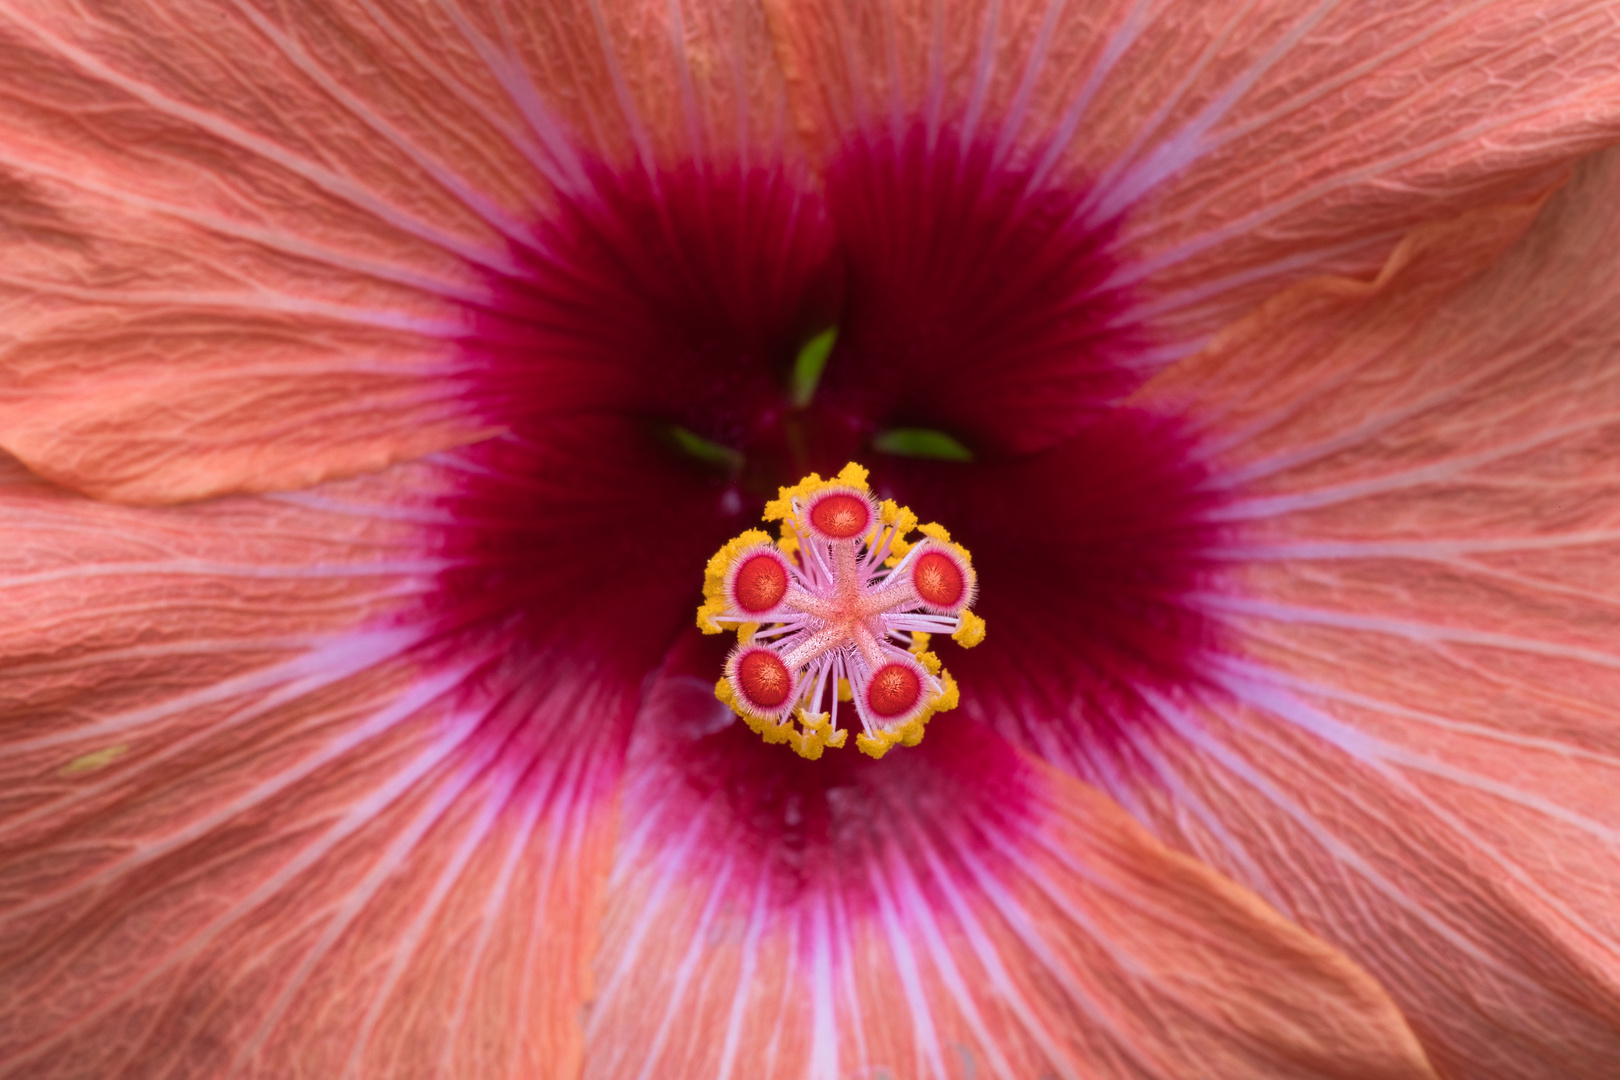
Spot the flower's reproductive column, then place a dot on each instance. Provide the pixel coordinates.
(839, 609)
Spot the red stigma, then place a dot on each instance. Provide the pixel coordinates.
(761, 584)
(938, 580)
(765, 679)
(841, 517)
(895, 688)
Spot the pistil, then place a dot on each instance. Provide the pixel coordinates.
(840, 608)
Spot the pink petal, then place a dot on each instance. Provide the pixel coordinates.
(238, 244)
(245, 830)
(1420, 755)
(1249, 145)
(965, 912)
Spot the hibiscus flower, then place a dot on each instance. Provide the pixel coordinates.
(377, 379)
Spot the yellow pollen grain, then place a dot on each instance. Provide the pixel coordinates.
(901, 517)
(874, 746)
(91, 762)
(816, 736)
(969, 630)
(911, 732)
(854, 475)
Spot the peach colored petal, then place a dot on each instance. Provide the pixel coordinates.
(1251, 144)
(1056, 941)
(238, 241)
(241, 834)
(1420, 760)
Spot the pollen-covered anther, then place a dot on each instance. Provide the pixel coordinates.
(839, 612)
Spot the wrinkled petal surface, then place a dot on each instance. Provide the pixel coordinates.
(245, 830)
(242, 305)
(253, 817)
(963, 911)
(240, 242)
(1418, 754)
(1246, 144)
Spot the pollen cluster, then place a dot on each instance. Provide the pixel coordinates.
(839, 608)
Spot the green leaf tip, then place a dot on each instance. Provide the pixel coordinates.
(921, 443)
(706, 450)
(808, 366)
